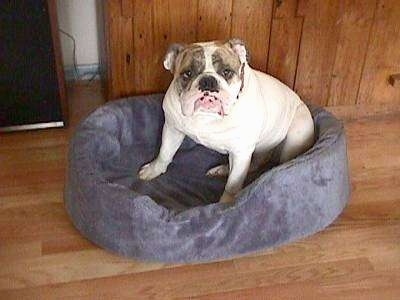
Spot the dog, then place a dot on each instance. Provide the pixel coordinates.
(218, 100)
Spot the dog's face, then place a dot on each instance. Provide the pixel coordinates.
(208, 77)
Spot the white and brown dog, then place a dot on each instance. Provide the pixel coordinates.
(219, 101)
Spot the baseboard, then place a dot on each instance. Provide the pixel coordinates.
(85, 72)
(32, 126)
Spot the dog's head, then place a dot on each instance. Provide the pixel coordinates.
(208, 77)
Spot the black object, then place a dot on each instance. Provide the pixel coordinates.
(31, 81)
(208, 83)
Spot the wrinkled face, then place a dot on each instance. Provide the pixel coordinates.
(207, 78)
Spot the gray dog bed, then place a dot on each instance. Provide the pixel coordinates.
(175, 217)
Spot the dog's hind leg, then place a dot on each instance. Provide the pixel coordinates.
(258, 160)
(300, 136)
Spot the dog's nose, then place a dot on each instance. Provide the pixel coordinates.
(208, 83)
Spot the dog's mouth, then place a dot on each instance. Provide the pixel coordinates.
(209, 102)
(206, 102)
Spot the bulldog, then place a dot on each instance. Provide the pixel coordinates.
(218, 100)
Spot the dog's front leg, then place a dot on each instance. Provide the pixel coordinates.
(171, 140)
(239, 164)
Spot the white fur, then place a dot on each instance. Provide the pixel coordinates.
(168, 61)
(266, 113)
(208, 51)
(241, 52)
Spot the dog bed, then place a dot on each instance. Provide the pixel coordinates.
(176, 217)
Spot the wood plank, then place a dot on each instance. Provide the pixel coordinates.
(115, 58)
(360, 111)
(317, 50)
(356, 22)
(63, 267)
(285, 42)
(113, 8)
(372, 159)
(45, 138)
(285, 9)
(246, 20)
(66, 243)
(144, 62)
(371, 285)
(16, 251)
(26, 189)
(172, 283)
(35, 222)
(28, 155)
(172, 24)
(386, 260)
(31, 178)
(367, 203)
(127, 8)
(175, 21)
(360, 243)
(212, 25)
(20, 199)
(302, 7)
(383, 56)
(389, 210)
(310, 253)
(122, 59)
(128, 59)
(94, 97)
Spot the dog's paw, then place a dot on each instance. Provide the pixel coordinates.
(151, 171)
(218, 171)
(227, 198)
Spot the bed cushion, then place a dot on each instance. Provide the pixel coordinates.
(176, 217)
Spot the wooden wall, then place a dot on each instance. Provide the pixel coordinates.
(332, 52)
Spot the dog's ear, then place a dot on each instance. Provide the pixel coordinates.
(171, 55)
(239, 47)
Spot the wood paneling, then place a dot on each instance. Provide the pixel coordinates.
(121, 58)
(246, 16)
(214, 20)
(355, 22)
(166, 32)
(317, 50)
(127, 8)
(285, 41)
(383, 56)
(145, 59)
(285, 9)
(331, 52)
(114, 8)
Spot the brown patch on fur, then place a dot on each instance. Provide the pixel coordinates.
(225, 58)
(190, 59)
(191, 54)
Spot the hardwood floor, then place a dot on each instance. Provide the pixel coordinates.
(43, 257)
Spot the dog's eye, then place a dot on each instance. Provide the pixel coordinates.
(227, 73)
(187, 74)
